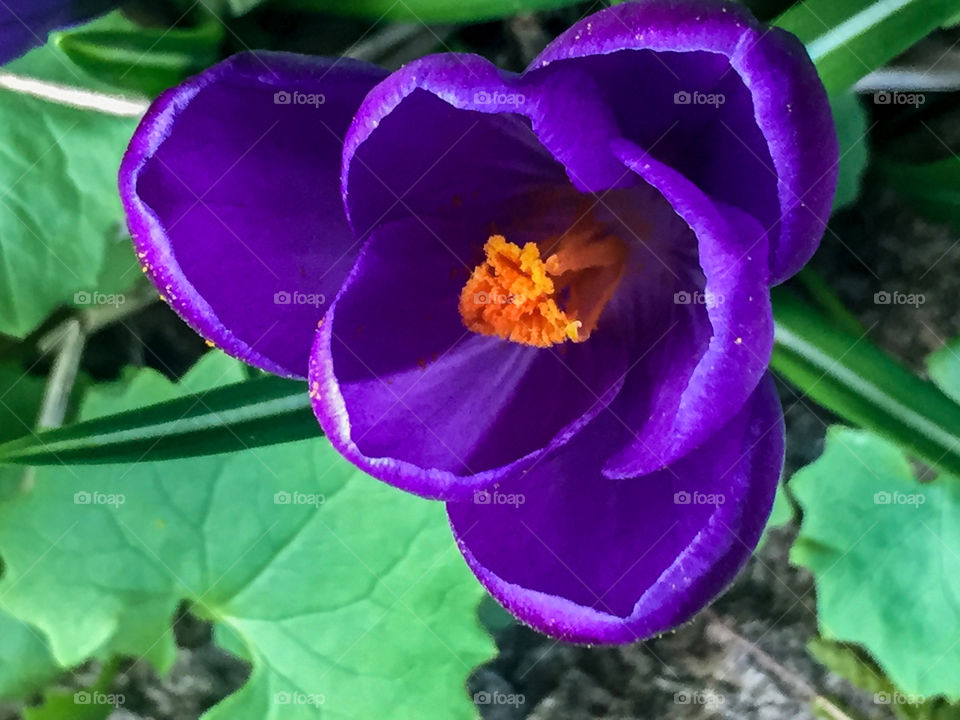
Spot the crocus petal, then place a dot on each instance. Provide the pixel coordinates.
(477, 155)
(24, 24)
(408, 394)
(683, 393)
(584, 558)
(655, 61)
(231, 187)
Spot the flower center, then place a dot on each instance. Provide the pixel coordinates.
(544, 293)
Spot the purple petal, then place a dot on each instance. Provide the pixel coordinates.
(465, 152)
(695, 379)
(770, 148)
(24, 24)
(584, 558)
(412, 397)
(232, 199)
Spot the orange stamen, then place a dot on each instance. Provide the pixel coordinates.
(517, 295)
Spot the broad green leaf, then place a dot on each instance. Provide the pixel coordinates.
(851, 121)
(847, 374)
(849, 662)
(847, 39)
(425, 10)
(246, 414)
(59, 208)
(882, 548)
(148, 60)
(344, 593)
(932, 188)
(25, 661)
(943, 367)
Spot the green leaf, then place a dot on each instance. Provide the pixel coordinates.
(60, 705)
(25, 661)
(932, 188)
(247, 414)
(425, 10)
(847, 39)
(851, 122)
(347, 595)
(20, 397)
(943, 367)
(148, 60)
(850, 376)
(849, 662)
(60, 206)
(882, 549)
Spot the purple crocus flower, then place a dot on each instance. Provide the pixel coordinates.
(24, 24)
(544, 297)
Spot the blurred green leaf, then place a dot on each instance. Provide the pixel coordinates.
(850, 376)
(62, 705)
(20, 396)
(117, 51)
(851, 122)
(882, 548)
(932, 188)
(943, 367)
(851, 663)
(348, 596)
(847, 39)
(438, 11)
(25, 661)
